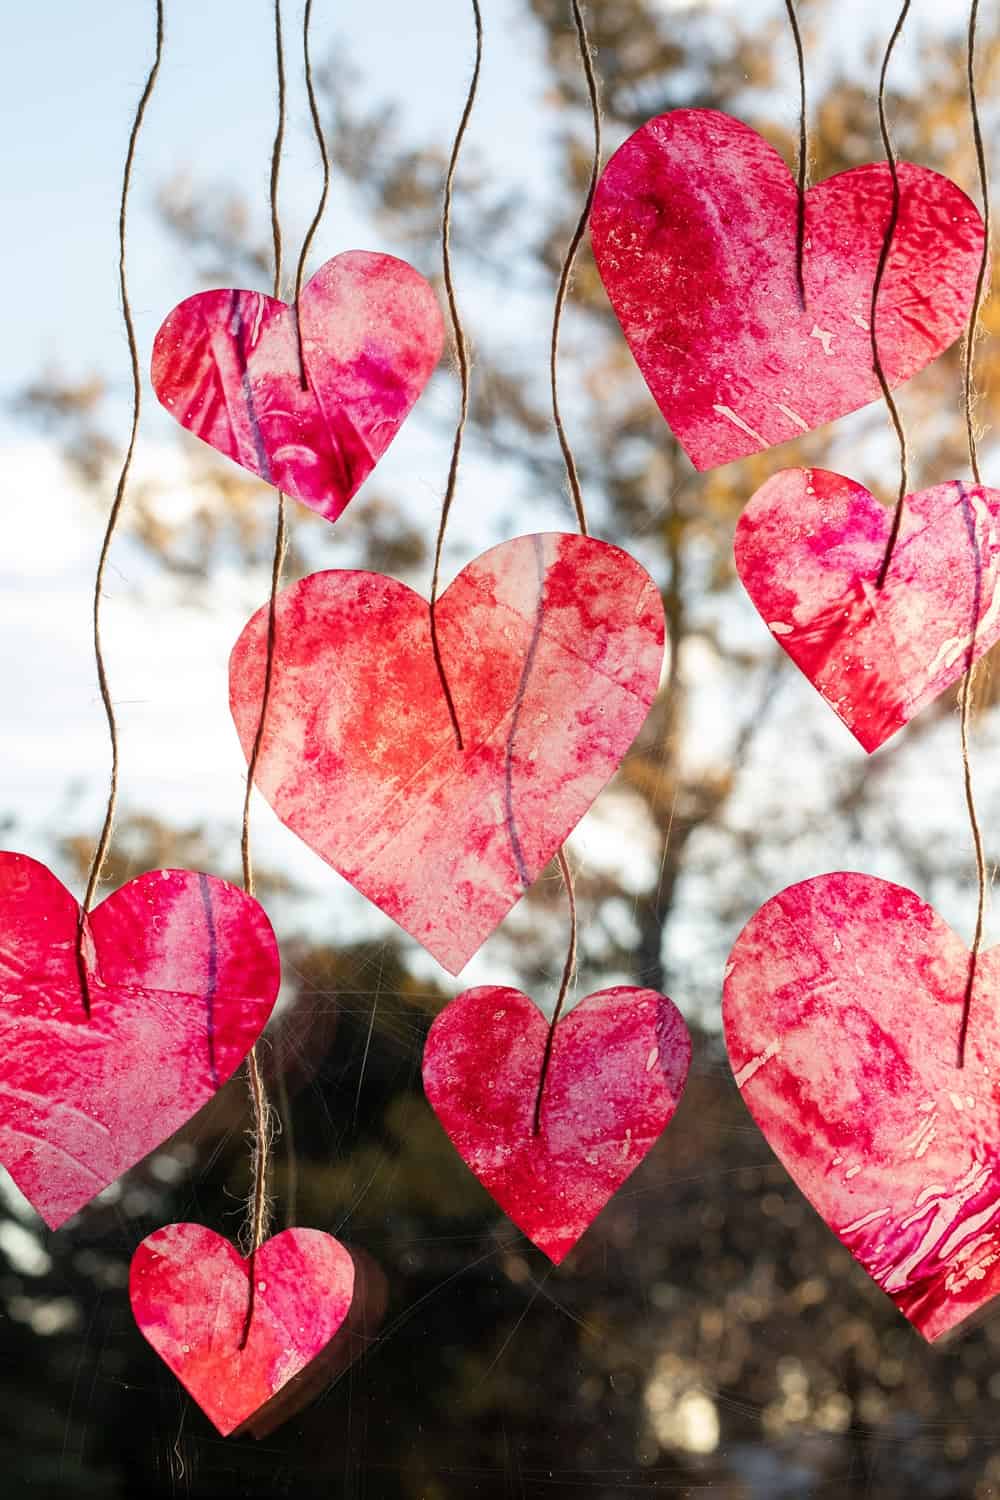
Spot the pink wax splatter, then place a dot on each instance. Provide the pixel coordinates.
(190, 1292)
(694, 233)
(809, 549)
(226, 365)
(552, 645)
(619, 1064)
(843, 1003)
(183, 971)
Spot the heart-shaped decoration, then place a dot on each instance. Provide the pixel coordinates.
(191, 1297)
(227, 365)
(552, 646)
(183, 972)
(809, 549)
(619, 1063)
(694, 230)
(843, 1006)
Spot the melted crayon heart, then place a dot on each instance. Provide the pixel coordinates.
(227, 365)
(182, 973)
(694, 229)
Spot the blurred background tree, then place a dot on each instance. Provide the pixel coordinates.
(709, 1335)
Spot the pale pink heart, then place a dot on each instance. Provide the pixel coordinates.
(619, 1063)
(552, 646)
(809, 549)
(191, 1297)
(227, 365)
(182, 974)
(843, 1005)
(694, 230)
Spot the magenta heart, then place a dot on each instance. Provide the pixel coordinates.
(809, 549)
(694, 232)
(619, 1064)
(552, 646)
(226, 365)
(190, 1292)
(183, 972)
(843, 1006)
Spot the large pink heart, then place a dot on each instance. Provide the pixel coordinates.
(694, 233)
(843, 1005)
(619, 1064)
(809, 547)
(226, 365)
(183, 972)
(552, 646)
(190, 1292)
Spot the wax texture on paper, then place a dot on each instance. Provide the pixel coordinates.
(226, 364)
(619, 1063)
(190, 1293)
(809, 550)
(694, 230)
(182, 971)
(552, 646)
(842, 1006)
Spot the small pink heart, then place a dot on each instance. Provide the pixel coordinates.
(552, 646)
(809, 549)
(694, 233)
(190, 1293)
(619, 1064)
(183, 971)
(226, 365)
(843, 1006)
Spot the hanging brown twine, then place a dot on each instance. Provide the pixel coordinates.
(969, 394)
(883, 261)
(562, 290)
(262, 1130)
(464, 367)
(802, 169)
(104, 839)
(317, 219)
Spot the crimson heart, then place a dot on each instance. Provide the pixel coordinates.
(809, 548)
(552, 647)
(226, 364)
(694, 230)
(843, 1006)
(619, 1064)
(190, 1293)
(182, 973)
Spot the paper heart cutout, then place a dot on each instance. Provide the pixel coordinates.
(694, 233)
(842, 1006)
(619, 1063)
(183, 971)
(552, 646)
(190, 1293)
(809, 548)
(226, 365)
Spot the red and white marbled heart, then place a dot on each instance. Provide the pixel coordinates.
(226, 365)
(843, 1006)
(619, 1063)
(552, 647)
(182, 974)
(809, 549)
(694, 230)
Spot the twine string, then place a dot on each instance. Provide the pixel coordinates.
(969, 396)
(317, 218)
(883, 261)
(562, 289)
(261, 1130)
(593, 92)
(802, 168)
(464, 368)
(104, 839)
